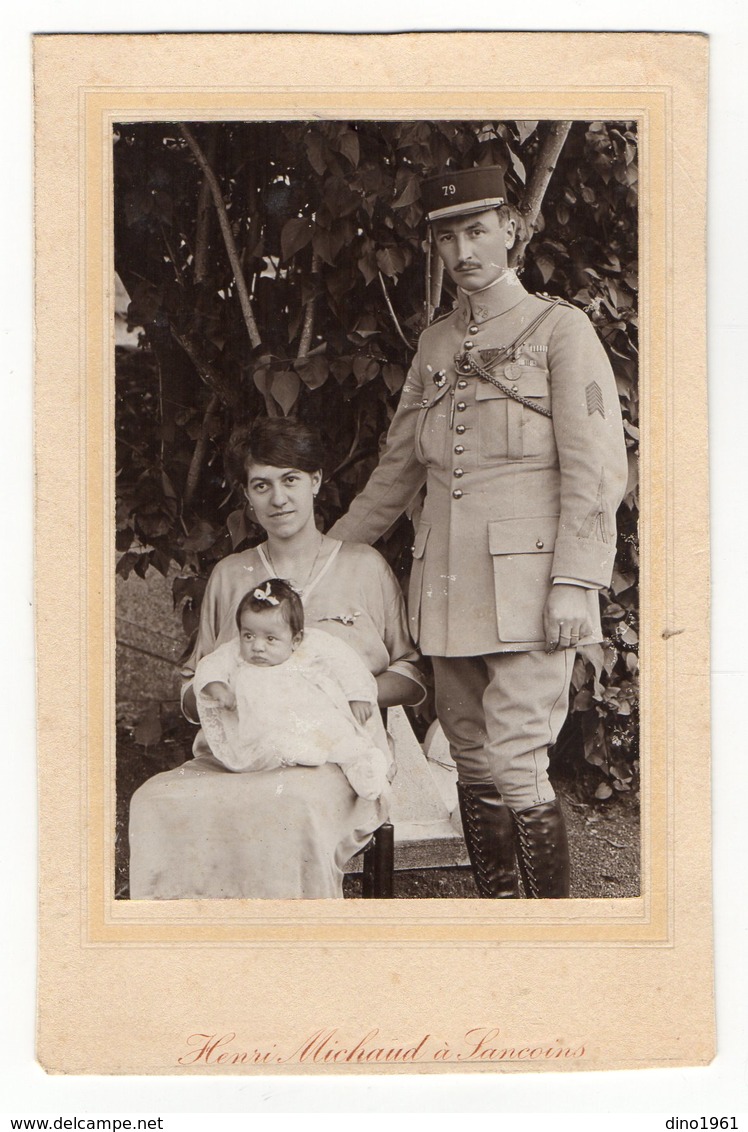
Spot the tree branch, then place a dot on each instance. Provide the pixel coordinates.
(391, 309)
(228, 237)
(202, 226)
(215, 381)
(532, 198)
(307, 329)
(437, 279)
(198, 456)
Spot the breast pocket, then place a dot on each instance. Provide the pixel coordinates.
(508, 430)
(522, 553)
(432, 428)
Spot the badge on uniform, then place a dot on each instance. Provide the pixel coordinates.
(440, 378)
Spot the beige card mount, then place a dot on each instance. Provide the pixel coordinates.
(222, 986)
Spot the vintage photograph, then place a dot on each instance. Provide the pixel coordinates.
(376, 509)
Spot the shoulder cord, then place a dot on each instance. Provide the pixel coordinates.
(508, 352)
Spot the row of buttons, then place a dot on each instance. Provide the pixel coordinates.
(461, 407)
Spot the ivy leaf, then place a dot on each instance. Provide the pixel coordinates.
(365, 369)
(327, 244)
(286, 388)
(313, 371)
(410, 193)
(595, 655)
(525, 129)
(350, 148)
(126, 563)
(260, 378)
(367, 265)
(201, 536)
(545, 266)
(583, 700)
(391, 261)
(394, 377)
(296, 234)
(628, 635)
(315, 149)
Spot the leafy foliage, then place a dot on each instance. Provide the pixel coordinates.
(327, 222)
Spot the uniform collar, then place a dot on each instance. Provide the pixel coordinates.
(498, 297)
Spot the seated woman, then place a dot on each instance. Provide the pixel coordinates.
(286, 832)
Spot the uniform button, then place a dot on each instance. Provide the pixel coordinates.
(458, 472)
(457, 494)
(459, 449)
(460, 428)
(514, 389)
(540, 544)
(466, 368)
(473, 329)
(461, 406)
(462, 384)
(468, 345)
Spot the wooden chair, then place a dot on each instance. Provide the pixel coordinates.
(378, 874)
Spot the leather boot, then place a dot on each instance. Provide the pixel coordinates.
(489, 837)
(543, 850)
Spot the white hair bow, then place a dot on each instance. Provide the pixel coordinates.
(265, 595)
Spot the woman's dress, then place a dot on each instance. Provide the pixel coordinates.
(203, 831)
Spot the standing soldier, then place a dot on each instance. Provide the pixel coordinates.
(510, 416)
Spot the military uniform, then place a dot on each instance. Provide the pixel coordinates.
(516, 499)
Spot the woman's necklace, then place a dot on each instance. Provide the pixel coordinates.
(299, 589)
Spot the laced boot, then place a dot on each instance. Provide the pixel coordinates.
(489, 837)
(543, 851)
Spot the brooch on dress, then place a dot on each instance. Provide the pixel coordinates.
(343, 618)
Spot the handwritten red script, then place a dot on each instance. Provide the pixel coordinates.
(332, 1047)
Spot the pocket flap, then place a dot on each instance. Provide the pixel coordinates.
(419, 544)
(523, 536)
(533, 382)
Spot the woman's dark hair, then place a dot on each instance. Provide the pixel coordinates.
(274, 594)
(280, 442)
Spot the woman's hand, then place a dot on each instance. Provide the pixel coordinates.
(361, 710)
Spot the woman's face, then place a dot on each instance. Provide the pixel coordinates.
(282, 498)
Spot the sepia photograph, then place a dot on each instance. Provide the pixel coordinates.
(377, 433)
(378, 551)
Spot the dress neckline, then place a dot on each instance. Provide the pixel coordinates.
(318, 576)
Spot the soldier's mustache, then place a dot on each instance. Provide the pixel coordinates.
(466, 263)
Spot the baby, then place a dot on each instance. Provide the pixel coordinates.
(279, 696)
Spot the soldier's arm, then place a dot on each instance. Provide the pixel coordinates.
(398, 477)
(591, 450)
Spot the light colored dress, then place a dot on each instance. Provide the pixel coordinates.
(296, 713)
(201, 831)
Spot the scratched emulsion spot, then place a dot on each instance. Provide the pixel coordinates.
(668, 633)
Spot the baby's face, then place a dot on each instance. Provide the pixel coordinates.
(265, 638)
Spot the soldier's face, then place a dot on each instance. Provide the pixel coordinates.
(474, 247)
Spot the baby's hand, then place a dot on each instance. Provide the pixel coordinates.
(361, 710)
(221, 693)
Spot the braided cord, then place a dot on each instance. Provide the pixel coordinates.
(484, 375)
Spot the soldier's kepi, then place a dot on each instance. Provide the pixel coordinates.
(510, 417)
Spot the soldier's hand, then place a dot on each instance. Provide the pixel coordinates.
(565, 620)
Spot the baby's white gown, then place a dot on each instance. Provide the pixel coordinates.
(296, 713)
